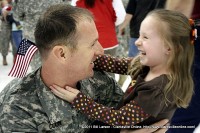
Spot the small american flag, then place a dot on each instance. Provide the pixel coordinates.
(25, 53)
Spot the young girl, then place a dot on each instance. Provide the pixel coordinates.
(162, 71)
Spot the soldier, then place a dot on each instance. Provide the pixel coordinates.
(64, 35)
(29, 11)
(6, 29)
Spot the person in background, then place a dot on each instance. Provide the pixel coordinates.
(6, 28)
(160, 86)
(108, 14)
(29, 12)
(0, 24)
(189, 117)
(9, 16)
(135, 12)
(16, 34)
(122, 49)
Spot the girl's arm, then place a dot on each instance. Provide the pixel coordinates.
(183, 6)
(112, 64)
(128, 115)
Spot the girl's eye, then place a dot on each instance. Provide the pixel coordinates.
(145, 37)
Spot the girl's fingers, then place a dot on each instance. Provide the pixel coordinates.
(56, 92)
(67, 89)
(61, 90)
(75, 91)
(65, 96)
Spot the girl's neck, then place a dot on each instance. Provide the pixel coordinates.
(153, 74)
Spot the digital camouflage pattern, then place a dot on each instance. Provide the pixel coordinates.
(29, 12)
(6, 29)
(5, 36)
(122, 49)
(28, 105)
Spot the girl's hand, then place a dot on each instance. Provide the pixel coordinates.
(67, 93)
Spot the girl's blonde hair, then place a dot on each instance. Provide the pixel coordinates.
(175, 30)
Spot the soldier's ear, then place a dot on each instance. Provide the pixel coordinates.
(59, 52)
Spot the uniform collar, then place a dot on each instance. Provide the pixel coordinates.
(55, 108)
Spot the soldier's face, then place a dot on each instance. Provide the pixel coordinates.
(88, 48)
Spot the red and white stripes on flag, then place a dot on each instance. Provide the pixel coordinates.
(24, 55)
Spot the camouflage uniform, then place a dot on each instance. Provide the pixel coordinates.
(29, 11)
(0, 28)
(122, 49)
(30, 106)
(6, 29)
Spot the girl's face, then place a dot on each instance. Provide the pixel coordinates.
(153, 52)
